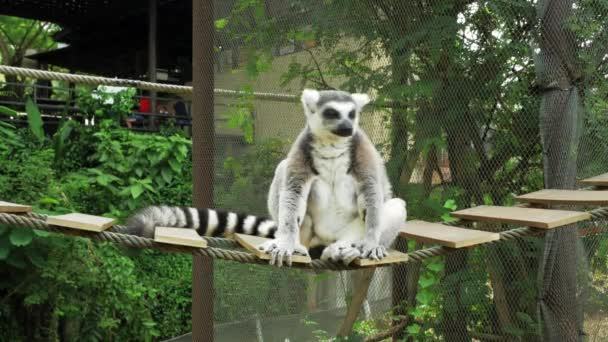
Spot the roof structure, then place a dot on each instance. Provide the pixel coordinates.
(110, 37)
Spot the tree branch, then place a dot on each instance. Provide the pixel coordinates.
(318, 67)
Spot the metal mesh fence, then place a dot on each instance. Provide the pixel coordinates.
(475, 101)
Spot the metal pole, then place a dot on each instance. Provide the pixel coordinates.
(202, 159)
(152, 28)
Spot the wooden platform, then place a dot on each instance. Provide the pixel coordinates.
(251, 243)
(531, 217)
(179, 236)
(574, 197)
(447, 236)
(392, 257)
(7, 207)
(81, 221)
(601, 180)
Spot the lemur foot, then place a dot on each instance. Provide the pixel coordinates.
(340, 251)
(371, 250)
(281, 251)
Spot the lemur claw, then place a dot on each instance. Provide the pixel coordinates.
(371, 250)
(340, 252)
(281, 251)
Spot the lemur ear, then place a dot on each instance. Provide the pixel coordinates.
(310, 98)
(360, 100)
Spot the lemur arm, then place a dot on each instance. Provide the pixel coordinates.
(294, 178)
(365, 168)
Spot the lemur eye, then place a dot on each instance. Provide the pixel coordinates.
(331, 114)
(351, 114)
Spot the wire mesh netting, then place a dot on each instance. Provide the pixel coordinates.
(474, 101)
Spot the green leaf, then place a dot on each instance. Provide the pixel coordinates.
(5, 248)
(414, 329)
(48, 200)
(436, 266)
(427, 280)
(21, 237)
(17, 261)
(35, 257)
(166, 173)
(41, 233)
(3, 228)
(450, 204)
(221, 23)
(425, 297)
(8, 112)
(61, 138)
(34, 119)
(136, 190)
(417, 312)
(448, 218)
(175, 165)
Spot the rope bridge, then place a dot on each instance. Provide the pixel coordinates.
(445, 238)
(229, 249)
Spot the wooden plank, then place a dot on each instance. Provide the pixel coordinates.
(601, 180)
(81, 221)
(575, 197)
(8, 207)
(447, 236)
(179, 236)
(392, 257)
(251, 243)
(531, 217)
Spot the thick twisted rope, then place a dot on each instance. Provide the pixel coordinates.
(217, 247)
(160, 87)
(93, 80)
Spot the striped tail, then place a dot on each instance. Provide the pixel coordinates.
(207, 222)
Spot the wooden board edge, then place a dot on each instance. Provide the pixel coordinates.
(471, 217)
(489, 238)
(300, 259)
(361, 262)
(161, 239)
(450, 244)
(52, 220)
(591, 182)
(562, 202)
(14, 210)
(583, 216)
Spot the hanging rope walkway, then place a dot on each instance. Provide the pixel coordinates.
(218, 248)
(225, 249)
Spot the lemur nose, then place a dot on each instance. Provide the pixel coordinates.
(344, 129)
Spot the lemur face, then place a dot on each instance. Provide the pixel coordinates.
(331, 113)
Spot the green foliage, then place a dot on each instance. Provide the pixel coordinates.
(95, 289)
(18, 35)
(129, 170)
(34, 119)
(103, 103)
(248, 177)
(240, 114)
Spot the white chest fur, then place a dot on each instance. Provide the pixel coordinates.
(332, 203)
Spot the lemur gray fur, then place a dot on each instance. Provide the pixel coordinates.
(332, 190)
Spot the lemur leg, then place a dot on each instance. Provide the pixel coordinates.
(391, 216)
(287, 206)
(343, 249)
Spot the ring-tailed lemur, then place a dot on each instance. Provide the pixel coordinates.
(332, 190)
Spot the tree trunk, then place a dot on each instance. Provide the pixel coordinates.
(560, 127)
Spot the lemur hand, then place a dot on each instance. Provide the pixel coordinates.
(371, 249)
(340, 251)
(281, 250)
